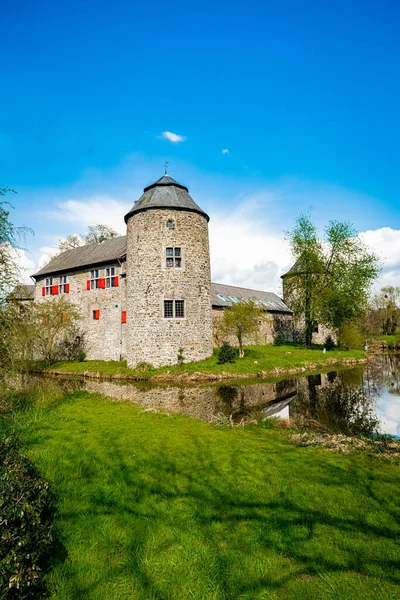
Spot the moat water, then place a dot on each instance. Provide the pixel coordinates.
(361, 400)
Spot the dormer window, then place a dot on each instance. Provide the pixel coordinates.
(173, 256)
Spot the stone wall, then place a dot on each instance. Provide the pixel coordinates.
(105, 338)
(269, 326)
(153, 338)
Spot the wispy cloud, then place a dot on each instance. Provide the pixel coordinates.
(225, 151)
(172, 137)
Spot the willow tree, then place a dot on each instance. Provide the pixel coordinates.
(332, 276)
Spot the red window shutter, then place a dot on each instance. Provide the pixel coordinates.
(67, 288)
(54, 290)
(43, 291)
(123, 316)
(102, 282)
(88, 284)
(116, 281)
(97, 315)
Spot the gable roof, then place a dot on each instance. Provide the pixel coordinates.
(85, 256)
(165, 193)
(268, 300)
(22, 292)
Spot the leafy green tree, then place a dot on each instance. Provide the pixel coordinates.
(331, 280)
(11, 238)
(240, 320)
(387, 305)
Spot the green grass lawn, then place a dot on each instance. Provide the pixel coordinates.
(389, 339)
(257, 359)
(153, 507)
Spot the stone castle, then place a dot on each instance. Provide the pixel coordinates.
(148, 296)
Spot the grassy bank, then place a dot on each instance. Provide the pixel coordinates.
(259, 361)
(390, 340)
(152, 507)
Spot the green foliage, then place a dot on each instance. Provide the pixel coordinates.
(52, 325)
(329, 343)
(350, 336)
(180, 356)
(11, 238)
(227, 354)
(279, 339)
(242, 319)
(26, 523)
(331, 281)
(143, 366)
(387, 308)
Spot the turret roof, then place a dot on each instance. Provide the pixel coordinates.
(165, 193)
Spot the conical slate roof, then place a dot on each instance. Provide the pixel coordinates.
(165, 193)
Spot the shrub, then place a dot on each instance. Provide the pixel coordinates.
(227, 354)
(329, 343)
(279, 339)
(26, 538)
(180, 356)
(143, 366)
(71, 348)
(350, 336)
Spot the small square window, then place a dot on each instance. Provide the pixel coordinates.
(177, 251)
(178, 262)
(168, 309)
(170, 262)
(179, 309)
(170, 224)
(170, 251)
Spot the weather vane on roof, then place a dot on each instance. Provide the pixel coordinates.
(166, 167)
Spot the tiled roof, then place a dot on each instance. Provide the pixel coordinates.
(226, 295)
(85, 256)
(23, 292)
(165, 193)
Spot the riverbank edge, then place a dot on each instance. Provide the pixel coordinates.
(204, 376)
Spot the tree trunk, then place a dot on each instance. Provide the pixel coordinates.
(307, 316)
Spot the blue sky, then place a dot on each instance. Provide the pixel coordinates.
(304, 96)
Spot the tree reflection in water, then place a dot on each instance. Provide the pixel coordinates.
(345, 401)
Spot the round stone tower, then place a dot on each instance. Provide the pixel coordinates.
(168, 300)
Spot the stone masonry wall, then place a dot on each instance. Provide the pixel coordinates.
(269, 326)
(102, 337)
(153, 338)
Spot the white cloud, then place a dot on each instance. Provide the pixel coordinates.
(225, 151)
(26, 265)
(385, 242)
(173, 137)
(245, 251)
(94, 210)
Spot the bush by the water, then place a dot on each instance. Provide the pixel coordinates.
(279, 339)
(26, 523)
(227, 354)
(329, 343)
(350, 336)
